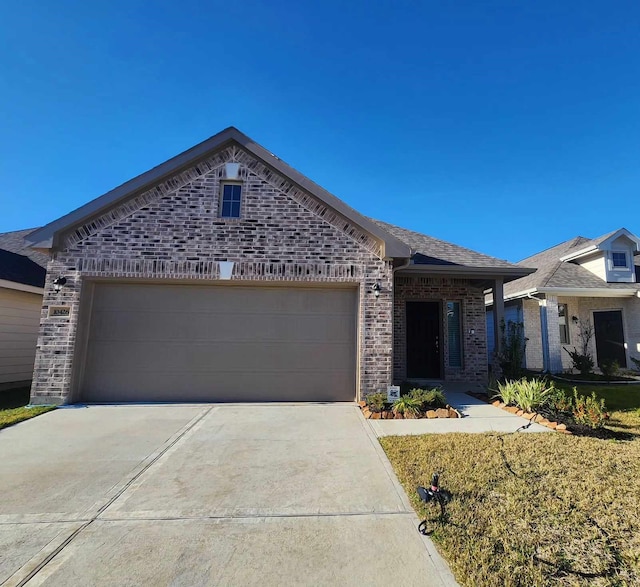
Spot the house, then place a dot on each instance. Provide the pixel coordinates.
(22, 275)
(226, 275)
(580, 283)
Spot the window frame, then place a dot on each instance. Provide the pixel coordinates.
(615, 267)
(223, 186)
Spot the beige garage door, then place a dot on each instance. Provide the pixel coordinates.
(220, 343)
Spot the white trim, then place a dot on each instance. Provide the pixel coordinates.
(589, 292)
(579, 253)
(21, 287)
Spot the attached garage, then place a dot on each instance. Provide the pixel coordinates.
(157, 342)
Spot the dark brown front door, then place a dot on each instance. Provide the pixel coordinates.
(610, 337)
(423, 340)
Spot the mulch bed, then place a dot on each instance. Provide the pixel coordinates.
(447, 412)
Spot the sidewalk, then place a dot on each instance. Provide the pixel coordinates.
(477, 417)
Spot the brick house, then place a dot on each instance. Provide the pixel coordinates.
(579, 283)
(226, 275)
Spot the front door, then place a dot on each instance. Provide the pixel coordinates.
(610, 337)
(423, 340)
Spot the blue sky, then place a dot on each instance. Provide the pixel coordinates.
(506, 127)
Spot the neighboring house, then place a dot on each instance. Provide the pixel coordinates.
(22, 274)
(578, 283)
(226, 275)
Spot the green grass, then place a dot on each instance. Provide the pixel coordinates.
(535, 509)
(13, 410)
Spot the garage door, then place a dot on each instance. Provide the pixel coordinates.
(221, 343)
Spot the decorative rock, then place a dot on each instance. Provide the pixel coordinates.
(453, 413)
(511, 409)
(366, 412)
(362, 403)
(442, 413)
(561, 427)
(519, 412)
(528, 415)
(398, 416)
(375, 416)
(431, 414)
(538, 418)
(551, 425)
(496, 403)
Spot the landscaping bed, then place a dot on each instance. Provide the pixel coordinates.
(14, 410)
(414, 403)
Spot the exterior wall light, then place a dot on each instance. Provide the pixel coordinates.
(59, 283)
(376, 289)
(574, 319)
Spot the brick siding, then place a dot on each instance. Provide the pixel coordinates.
(284, 235)
(474, 365)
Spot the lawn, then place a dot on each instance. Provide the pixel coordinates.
(13, 407)
(535, 509)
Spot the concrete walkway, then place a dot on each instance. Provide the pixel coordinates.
(206, 495)
(478, 417)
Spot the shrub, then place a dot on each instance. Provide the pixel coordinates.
(582, 363)
(589, 410)
(376, 401)
(560, 402)
(533, 394)
(429, 398)
(512, 348)
(507, 391)
(407, 405)
(609, 367)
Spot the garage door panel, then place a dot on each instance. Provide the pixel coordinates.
(203, 343)
(146, 326)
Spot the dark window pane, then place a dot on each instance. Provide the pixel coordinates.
(619, 259)
(231, 198)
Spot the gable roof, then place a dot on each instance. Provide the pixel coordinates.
(45, 237)
(551, 272)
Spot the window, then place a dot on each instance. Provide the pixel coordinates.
(231, 198)
(454, 325)
(619, 259)
(564, 325)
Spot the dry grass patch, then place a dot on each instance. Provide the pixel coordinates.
(530, 509)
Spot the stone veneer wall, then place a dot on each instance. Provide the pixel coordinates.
(474, 365)
(173, 232)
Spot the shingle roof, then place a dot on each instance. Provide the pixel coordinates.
(15, 243)
(432, 251)
(21, 269)
(551, 272)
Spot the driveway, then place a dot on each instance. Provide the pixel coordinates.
(266, 494)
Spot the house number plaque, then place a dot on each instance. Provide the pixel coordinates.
(59, 311)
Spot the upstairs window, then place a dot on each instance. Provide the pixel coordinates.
(230, 200)
(564, 326)
(619, 259)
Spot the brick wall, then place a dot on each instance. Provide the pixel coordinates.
(474, 364)
(173, 232)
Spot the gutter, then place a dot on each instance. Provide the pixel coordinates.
(21, 287)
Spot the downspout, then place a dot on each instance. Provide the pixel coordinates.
(544, 331)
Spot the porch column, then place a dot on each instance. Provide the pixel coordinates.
(498, 312)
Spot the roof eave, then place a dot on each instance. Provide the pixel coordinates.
(507, 273)
(580, 253)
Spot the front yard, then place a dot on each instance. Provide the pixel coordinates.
(535, 509)
(13, 407)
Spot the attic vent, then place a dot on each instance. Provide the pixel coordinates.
(231, 170)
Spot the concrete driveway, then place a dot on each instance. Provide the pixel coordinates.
(269, 494)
